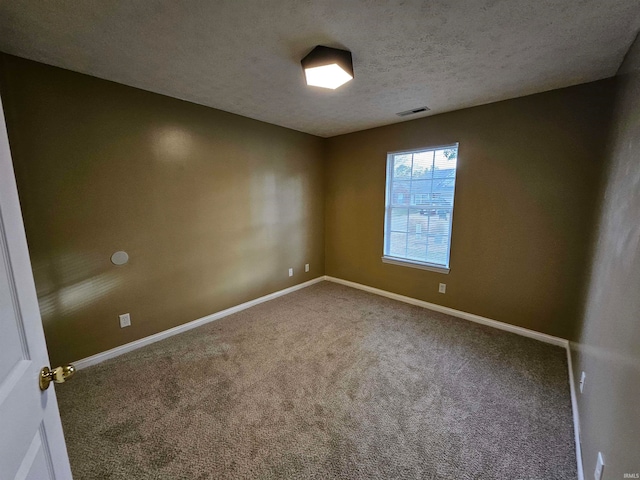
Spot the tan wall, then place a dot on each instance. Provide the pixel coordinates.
(528, 173)
(212, 207)
(609, 346)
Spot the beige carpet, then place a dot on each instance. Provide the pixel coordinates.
(327, 382)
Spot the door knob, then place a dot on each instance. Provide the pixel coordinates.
(58, 375)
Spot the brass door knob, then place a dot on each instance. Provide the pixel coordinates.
(57, 375)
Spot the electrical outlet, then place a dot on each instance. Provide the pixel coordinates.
(442, 288)
(306, 267)
(125, 320)
(291, 272)
(583, 377)
(597, 475)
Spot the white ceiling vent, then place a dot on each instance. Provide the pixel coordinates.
(413, 111)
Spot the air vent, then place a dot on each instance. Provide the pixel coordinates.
(413, 111)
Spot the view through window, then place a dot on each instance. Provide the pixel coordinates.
(419, 206)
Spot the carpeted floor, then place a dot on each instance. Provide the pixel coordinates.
(327, 382)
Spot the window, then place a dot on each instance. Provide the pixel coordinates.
(419, 207)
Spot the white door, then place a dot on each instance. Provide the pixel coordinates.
(31, 440)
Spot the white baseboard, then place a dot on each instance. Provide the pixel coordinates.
(525, 332)
(576, 417)
(128, 347)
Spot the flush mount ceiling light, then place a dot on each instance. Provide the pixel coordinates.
(327, 67)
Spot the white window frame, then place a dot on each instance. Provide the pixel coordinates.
(406, 262)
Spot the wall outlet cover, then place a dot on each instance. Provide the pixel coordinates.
(442, 288)
(125, 320)
(583, 377)
(306, 267)
(291, 272)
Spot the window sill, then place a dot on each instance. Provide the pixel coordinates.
(414, 264)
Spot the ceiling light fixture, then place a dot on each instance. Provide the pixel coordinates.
(327, 67)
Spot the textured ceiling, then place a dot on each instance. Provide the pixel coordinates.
(243, 56)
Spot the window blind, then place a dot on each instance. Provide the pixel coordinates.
(419, 205)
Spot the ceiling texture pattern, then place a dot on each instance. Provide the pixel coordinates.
(244, 56)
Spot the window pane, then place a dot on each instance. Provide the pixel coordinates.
(439, 223)
(437, 249)
(420, 190)
(417, 247)
(445, 162)
(422, 165)
(399, 219)
(398, 245)
(417, 239)
(401, 193)
(444, 185)
(442, 214)
(402, 166)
